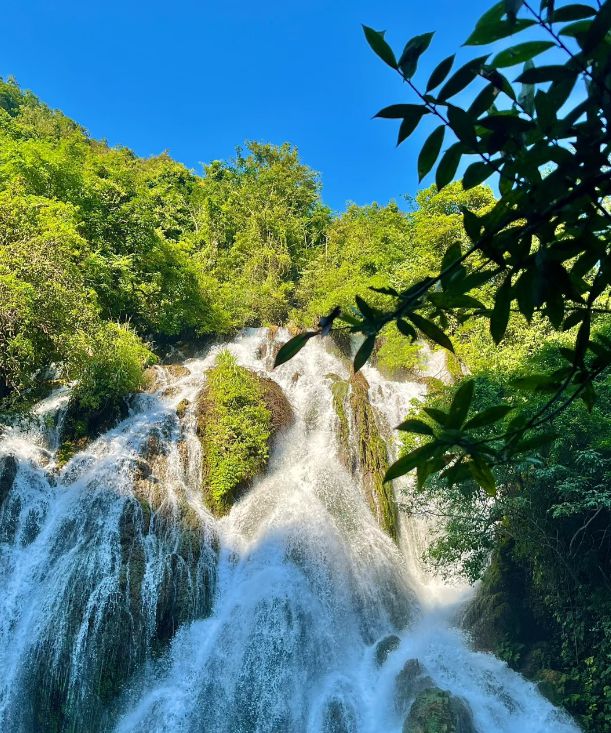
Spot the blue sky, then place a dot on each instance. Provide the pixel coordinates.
(199, 78)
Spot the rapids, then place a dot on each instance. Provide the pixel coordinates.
(125, 606)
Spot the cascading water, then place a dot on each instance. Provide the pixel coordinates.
(125, 606)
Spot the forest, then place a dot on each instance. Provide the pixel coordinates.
(108, 262)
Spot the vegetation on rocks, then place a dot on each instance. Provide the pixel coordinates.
(238, 413)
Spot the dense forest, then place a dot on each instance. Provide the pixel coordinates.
(107, 260)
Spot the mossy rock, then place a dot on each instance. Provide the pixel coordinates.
(178, 371)
(82, 425)
(276, 402)
(338, 718)
(372, 456)
(238, 413)
(410, 681)
(8, 471)
(181, 407)
(385, 647)
(438, 711)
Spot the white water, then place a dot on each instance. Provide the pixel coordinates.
(276, 633)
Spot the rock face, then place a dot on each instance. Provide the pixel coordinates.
(362, 449)
(409, 682)
(238, 413)
(438, 711)
(8, 471)
(385, 647)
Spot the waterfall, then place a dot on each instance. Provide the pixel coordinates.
(126, 606)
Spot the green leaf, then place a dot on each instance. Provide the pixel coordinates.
(512, 7)
(376, 40)
(448, 165)
(451, 255)
(475, 174)
(438, 416)
(416, 426)
(461, 404)
(398, 111)
(541, 74)
(576, 11)
(494, 31)
(364, 352)
(482, 473)
(536, 441)
(500, 313)
(462, 126)
(472, 224)
(407, 463)
(520, 53)
(365, 308)
(292, 347)
(431, 330)
(483, 102)
(409, 124)
(440, 72)
(406, 329)
(462, 78)
(430, 151)
(414, 48)
(488, 417)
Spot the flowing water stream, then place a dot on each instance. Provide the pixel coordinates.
(125, 606)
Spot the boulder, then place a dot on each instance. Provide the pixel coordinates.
(8, 471)
(384, 647)
(438, 711)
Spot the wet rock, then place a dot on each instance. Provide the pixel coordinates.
(8, 471)
(385, 647)
(338, 718)
(409, 682)
(176, 370)
(277, 403)
(372, 456)
(438, 711)
(181, 407)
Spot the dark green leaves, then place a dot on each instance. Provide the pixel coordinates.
(491, 27)
(412, 52)
(461, 404)
(577, 11)
(540, 74)
(488, 416)
(476, 173)
(448, 165)
(416, 426)
(409, 124)
(462, 78)
(411, 460)
(430, 151)
(440, 72)
(431, 330)
(292, 347)
(520, 53)
(380, 47)
(397, 111)
(500, 313)
(364, 352)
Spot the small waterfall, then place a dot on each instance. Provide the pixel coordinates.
(127, 607)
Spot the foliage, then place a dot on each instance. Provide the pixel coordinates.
(235, 427)
(93, 236)
(543, 245)
(548, 524)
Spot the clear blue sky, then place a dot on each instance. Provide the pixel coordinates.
(197, 78)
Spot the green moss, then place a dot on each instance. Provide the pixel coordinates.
(437, 711)
(339, 392)
(372, 456)
(235, 427)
